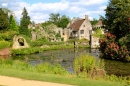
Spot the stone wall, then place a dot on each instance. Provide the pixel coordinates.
(95, 42)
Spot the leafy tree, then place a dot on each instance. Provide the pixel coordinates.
(64, 20)
(25, 21)
(4, 21)
(55, 18)
(46, 24)
(117, 17)
(60, 21)
(13, 24)
(94, 21)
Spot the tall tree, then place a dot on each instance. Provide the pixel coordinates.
(13, 24)
(60, 21)
(117, 17)
(64, 20)
(55, 18)
(25, 21)
(4, 21)
(94, 21)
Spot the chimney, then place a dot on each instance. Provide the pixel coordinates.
(86, 17)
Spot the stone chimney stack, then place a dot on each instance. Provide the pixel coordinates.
(86, 18)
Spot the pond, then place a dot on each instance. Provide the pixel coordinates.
(66, 57)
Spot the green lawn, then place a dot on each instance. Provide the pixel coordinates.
(56, 78)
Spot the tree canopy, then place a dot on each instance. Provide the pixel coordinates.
(4, 21)
(94, 21)
(13, 24)
(60, 21)
(117, 17)
(25, 21)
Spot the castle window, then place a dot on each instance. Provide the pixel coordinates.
(81, 31)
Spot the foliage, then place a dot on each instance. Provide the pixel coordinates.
(37, 49)
(98, 33)
(4, 44)
(38, 42)
(94, 21)
(85, 64)
(51, 31)
(60, 21)
(4, 22)
(54, 18)
(111, 50)
(125, 41)
(58, 35)
(7, 35)
(24, 22)
(52, 69)
(21, 69)
(46, 23)
(117, 17)
(64, 20)
(41, 68)
(13, 24)
(63, 79)
(6, 10)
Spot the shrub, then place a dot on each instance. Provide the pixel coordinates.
(112, 50)
(4, 44)
(8, 35)
(86, 64)
(98, 33)
(49, 68)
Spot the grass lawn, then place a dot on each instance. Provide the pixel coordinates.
(56, 78)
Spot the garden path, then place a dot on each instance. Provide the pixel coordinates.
(11, 81)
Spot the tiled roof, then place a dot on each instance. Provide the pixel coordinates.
(99, 22)
(76, 25)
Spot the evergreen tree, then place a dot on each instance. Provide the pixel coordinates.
(25, 21)
(117, 17)
(4, 21)
(13, 24)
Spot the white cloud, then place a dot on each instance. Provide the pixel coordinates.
(39, 12)
(4, 4)
(102, 7)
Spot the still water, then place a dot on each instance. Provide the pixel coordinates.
(66, 57)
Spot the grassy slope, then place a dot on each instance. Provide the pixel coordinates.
(56, 78)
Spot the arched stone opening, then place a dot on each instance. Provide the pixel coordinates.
(21, 42)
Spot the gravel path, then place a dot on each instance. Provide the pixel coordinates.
(11, 81)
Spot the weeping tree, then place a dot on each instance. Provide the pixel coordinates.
(117, 17)
(25, 21)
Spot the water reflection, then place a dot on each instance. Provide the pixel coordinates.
(66, 57)
(63, 57)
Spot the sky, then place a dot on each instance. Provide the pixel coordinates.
(39, 10)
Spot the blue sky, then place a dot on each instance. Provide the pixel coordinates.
(43, 1)
(39, 10)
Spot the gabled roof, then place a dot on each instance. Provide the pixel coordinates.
(99, 22)
(76, 25)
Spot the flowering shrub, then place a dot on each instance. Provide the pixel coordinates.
(111, 50)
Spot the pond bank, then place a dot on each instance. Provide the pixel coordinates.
(5, 52)
(65, 58)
